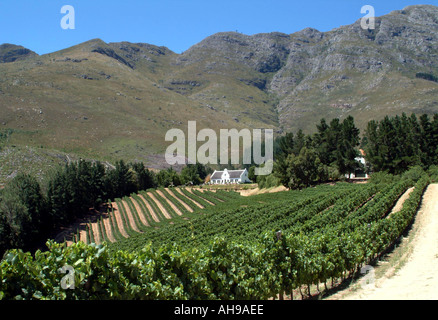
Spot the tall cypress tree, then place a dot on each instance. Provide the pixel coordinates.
(347, 146)
(58, 199)
(321, 142)
(284, 145)
(426, 146)
(372, 149)
(96, 186)
(145, 177)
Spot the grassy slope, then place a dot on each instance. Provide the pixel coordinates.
(125, 116)
(393, 94)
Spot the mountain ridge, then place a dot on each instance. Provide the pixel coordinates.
(11, 53)
(118, 99)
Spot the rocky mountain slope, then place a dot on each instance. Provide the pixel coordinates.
(117, 100)
(366, 73)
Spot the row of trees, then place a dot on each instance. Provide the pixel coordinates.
(30, 212)
(303, 160)
(392, 145)
(396, 143)
(191, 174)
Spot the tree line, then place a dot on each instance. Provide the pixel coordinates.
(392, 145)
(30, 212)
(303, 160)
(395, 144)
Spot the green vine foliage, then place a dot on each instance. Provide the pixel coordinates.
(222, 269)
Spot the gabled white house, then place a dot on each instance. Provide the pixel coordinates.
(229, 177)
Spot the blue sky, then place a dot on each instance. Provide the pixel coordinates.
(176, 24)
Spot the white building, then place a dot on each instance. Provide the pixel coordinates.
(359, 173)
(229, 177)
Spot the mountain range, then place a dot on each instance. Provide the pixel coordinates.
(117, 100)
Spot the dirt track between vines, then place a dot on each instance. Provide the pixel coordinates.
(196, 203)
(417, 279)
(175, 208)
(179, 200)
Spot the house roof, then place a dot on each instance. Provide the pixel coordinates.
(216, 175)
(234, 174)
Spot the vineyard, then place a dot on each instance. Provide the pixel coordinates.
(140, 213)
(188, 244)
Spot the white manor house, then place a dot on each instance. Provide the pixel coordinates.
(229, 177)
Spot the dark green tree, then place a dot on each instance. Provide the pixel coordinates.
(321, 142)
(347, 146)
(427, 145)
(168, 177)
(59, 199)
(120, 181)
(301, 171)
(203, 170)
(251, 174)
(398, 143)
(145, 178)
(190, 175)
(23, 212)
(284, 145)
(97, 184)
